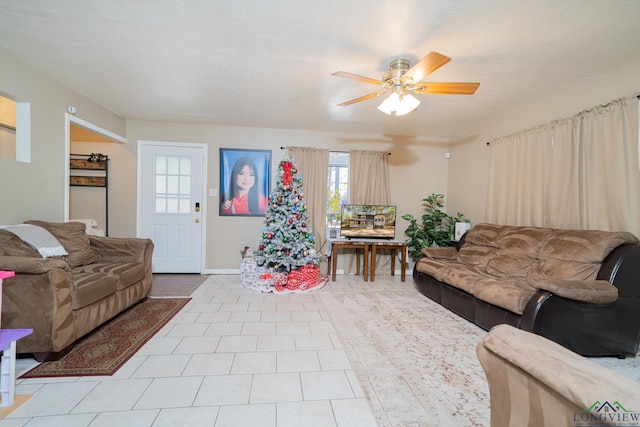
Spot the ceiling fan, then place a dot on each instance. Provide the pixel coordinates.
(400, 80)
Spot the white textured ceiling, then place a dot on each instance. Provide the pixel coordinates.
(264, 63)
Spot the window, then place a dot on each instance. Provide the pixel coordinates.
(172, 185)
(338, 187)
(7, 128)
(15, 129)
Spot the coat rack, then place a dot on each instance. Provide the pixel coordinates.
(92, 162)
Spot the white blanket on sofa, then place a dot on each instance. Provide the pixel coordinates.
(38, 238)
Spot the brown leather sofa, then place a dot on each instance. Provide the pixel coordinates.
(579, 288)
(63, 298)
(535, 382)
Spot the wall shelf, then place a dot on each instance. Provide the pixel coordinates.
(87, 181)
(96, 174)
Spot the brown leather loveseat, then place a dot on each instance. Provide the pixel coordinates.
(579, 288)
(62, 298)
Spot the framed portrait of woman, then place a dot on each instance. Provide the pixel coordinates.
(245, 178)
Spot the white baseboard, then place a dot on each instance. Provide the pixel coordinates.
(236, 271)
(222, 271)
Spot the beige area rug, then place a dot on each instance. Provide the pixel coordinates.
(415, 360)
(629, 366)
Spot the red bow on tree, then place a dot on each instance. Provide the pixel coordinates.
(287, 177)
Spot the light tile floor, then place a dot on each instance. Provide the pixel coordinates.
(234, 357)
(231, 357)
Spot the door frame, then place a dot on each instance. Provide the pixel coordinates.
(77, 121)
(205, 160)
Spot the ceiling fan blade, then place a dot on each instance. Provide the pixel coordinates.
(446, 88)
(357, 77)
(362, 98)
(426, 66)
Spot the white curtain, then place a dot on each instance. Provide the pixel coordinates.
(577, 173)
(519, 165)
(369, 177)
(313, 166)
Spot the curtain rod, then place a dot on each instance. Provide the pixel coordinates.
(333, 151)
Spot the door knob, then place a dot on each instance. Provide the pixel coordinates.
(197, 220)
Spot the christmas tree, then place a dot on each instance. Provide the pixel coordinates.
(287, 241)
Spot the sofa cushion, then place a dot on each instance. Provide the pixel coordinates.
(592, 291)
(560, 269)
(125, 273)
(441, 253)
(510, 263)
(504, 251)
(12, 245)
(589, 246)
(486, 234)
(577, 254)
(510, 294)
(432, 267)
(527, 240)
(462, 277)
(73, 237)
(476, 255)
(90, 286)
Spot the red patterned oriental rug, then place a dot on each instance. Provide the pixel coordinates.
(106, 349)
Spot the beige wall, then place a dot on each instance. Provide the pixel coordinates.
(469, 164)
(417, 168)
(36, 189)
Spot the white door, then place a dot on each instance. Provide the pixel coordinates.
(172, 208)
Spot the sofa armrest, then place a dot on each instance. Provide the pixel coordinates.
(533, 380)
(121, 249)
(31, 265)
(620, 268)
(38, 297)
(441, 253)
(590, 291)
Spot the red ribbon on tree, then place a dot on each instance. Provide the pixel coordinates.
(287, 177)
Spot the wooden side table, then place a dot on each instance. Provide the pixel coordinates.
(336, 245)
(394, 246)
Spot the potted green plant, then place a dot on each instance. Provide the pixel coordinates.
(436, 227)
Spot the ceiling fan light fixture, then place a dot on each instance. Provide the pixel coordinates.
(408, 103)
(390, 104)
(401, 79)
(400, 105)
